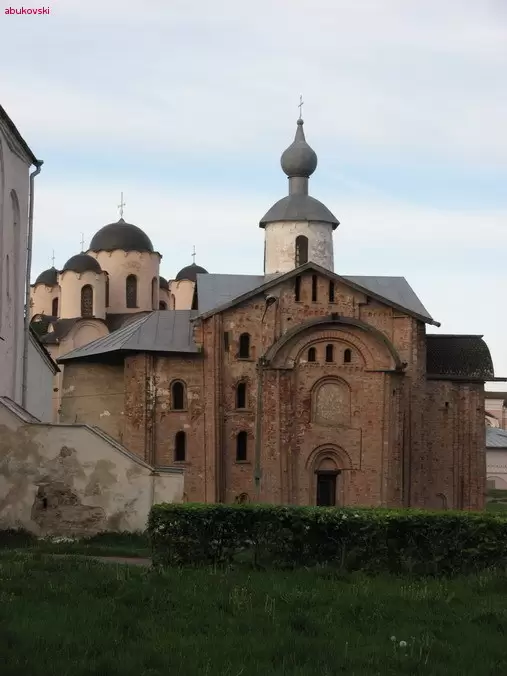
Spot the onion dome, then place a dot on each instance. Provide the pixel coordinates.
(299, 162)
(123, 236)
(82, 263)
(299, 159)
(48, 277)
(190, 272)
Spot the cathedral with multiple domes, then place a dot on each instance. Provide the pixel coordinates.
(294, 386)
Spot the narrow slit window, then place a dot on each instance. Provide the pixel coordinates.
(331, 292)
(54, 307)
(314, 288)
(301, 250)
(241, 395)
(329, 353)
(347, 356)
(297, 288)
(180, 447)
(312, 354)
(178, 396)
(244, 346)
(241, 447)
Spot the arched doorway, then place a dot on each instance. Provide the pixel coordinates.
(328, 477)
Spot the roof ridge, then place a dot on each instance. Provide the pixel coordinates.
(126, 331)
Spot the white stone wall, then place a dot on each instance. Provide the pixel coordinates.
(280, 245)
(181, 294)
(69, 479)
(40, 376)
(119, 265)
(14, 196)
(41, 297)
(71, 284)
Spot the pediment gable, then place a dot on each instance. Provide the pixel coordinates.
(393, 292)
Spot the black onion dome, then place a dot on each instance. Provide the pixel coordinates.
(163, 283)
(121, 235)
(82, 263)
(190, 272)
(48, 277)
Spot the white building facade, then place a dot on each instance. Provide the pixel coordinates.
(16, 215)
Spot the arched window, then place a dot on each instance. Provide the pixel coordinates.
(54, 307)
(301, 250)
(180, 447)
(107, 290)
(244, 345)
(241, 499)
(241, 395)
(329, 353)
(241, 447)
(172, 302)
(87, 301)
(312, 354)
(162, 305)
(178, 398)
(131, 291)
(154, 292)
(347, 356)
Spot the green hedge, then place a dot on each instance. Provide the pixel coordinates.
(396, 541)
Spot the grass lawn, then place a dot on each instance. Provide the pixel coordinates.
(74, 617)
(104, 544)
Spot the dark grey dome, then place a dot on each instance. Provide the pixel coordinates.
(48, 277)
(191, 272)
(298, 207)
(121, 235)
(299, 159)
(82, 263)
(163, 283)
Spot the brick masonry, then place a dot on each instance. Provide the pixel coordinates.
(395, 438)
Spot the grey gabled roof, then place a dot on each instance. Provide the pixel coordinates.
(158, 331)
(496, 438)
(218, 292)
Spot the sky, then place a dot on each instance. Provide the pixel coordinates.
(186, 107)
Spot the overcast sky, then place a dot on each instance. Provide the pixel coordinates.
(186, 107)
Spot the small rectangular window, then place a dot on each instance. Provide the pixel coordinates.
(226, 341)
(297, 288)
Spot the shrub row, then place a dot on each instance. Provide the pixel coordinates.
(373, 540)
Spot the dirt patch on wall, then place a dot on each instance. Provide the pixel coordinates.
(58, 510)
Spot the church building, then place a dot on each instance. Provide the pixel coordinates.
(295, 386)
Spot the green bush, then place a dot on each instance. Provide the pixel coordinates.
(395, 541)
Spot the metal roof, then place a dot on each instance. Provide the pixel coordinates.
(458, 357)
(496, 438)
(159, 331)
(217, 291)
(213, 291)
(299, 208)
(395, 289)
